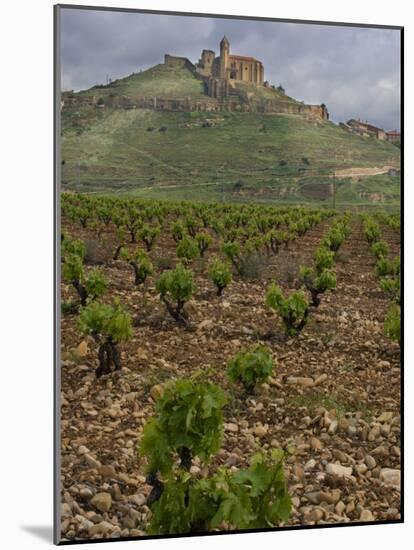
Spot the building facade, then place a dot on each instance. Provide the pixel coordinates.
(230, 67)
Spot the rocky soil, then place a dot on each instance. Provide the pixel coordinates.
(333, 401)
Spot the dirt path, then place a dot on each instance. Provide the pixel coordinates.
(359, 172)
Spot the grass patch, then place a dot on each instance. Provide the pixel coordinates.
(313, 401)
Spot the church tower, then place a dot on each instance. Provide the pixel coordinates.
(224, 56)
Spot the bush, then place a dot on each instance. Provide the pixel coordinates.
(109, 325)
(220, 275)
(294, 310)
(251, 498)
(372, 231)
(148, 235)
(188, 422)
(175, 288)
(385, 267)
(187, 249)
(247, 263)
(252, 265)
(88, 288)
(334, 239)
(92, 253)
(72, 246)
(274, 239)
(191, 226)
(251, 367)
(141, 264)
(231, 249)
(392, 323)
(317, 283)
(178, 231)
(203, 241)
(324, 258)
(380, 249)
(392, 288)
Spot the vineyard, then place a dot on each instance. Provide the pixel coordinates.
(227, 366)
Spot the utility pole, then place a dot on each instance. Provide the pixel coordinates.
(333, 190)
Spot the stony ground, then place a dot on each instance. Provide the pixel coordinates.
(333, 401)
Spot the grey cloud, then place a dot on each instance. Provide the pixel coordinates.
(355, 71)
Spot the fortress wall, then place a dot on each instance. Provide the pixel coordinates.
(231, 103)
(175, 61)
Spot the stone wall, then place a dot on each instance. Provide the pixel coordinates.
(175, 61)
(229, 103)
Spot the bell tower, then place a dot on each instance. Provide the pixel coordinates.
(224, 56)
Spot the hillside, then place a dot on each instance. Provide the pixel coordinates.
(221, 155)
(160, 80)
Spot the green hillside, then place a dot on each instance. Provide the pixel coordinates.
(222, 155)
(160, 80)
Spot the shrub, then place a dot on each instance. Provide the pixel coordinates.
(294, 309)
(392, 288)
(72, 246)
(88, 288)
(251, 367)
(380, 249)
(220, 275)
(324, 258)
(248, 263)
(392, 323)
(372, 231)
(187, 249)
(252, 265)
(178, 231)
(188, 422)
(141, 264)
(92, 252)
(148, 235)
(203, 240)
(317, 283)
(251, 498)
(191, 226)
(231, 249)
(274, 239)
(385, 267)
(334, 239)
(175, 288)
(109, 325)
(95, 284)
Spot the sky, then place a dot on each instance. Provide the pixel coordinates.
(354, 71)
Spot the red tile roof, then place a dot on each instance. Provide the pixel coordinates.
(243, 58)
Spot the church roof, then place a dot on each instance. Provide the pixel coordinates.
(243, 58)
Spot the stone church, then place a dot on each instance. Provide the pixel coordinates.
(229, 66)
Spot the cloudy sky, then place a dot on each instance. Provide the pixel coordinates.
(355, 71)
